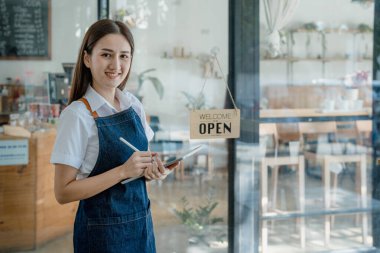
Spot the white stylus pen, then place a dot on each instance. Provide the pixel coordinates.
(135, 149)
(129, 144)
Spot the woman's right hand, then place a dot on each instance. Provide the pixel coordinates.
(136, 164)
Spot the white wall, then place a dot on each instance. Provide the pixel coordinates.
(70, 18)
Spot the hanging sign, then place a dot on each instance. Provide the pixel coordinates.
(14, 152)
(213, 124)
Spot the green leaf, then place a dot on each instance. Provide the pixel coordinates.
(147, 71)
(198, 220)
(158, 86)
(190, 100)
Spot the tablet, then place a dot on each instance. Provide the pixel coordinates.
(184, 156)
(178, 159)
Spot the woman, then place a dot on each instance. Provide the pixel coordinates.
(90, 160)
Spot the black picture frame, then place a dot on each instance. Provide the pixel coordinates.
(36, 38)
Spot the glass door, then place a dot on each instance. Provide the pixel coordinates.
(175, 71)
(316, 125)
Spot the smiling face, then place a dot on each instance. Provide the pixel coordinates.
(109, 61)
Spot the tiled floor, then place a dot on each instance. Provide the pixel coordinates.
(173, 237)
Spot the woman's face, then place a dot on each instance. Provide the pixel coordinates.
(109, 61)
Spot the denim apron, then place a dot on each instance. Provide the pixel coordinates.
(117, 220)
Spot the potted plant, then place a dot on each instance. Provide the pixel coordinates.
(364, 28)
(144, 77)
(195, 102)
(353, 82)
(315, 27)
(200, 222)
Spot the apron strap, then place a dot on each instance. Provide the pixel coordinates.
(87, 104)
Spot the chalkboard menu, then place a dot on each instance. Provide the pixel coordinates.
(25, 29)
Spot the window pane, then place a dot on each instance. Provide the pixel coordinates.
(315, 130)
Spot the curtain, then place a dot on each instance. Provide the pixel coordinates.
(277, 13)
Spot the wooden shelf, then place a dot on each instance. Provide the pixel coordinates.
(8, 113)
(331, 31)
(327, 59)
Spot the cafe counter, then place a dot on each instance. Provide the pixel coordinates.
(30, 215)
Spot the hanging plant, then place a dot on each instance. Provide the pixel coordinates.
(291, 33)
(363, 29)
(324, 43)
(309, 27)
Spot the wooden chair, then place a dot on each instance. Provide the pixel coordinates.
(327, 159)
(314, 131)
(363, 132)
(274, 160)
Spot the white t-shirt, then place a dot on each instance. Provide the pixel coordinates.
(77, 141)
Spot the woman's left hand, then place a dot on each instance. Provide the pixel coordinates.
(156, 170)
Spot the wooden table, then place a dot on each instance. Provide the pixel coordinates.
(361, 185)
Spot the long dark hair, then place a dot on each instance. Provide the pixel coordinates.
(82, 75)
